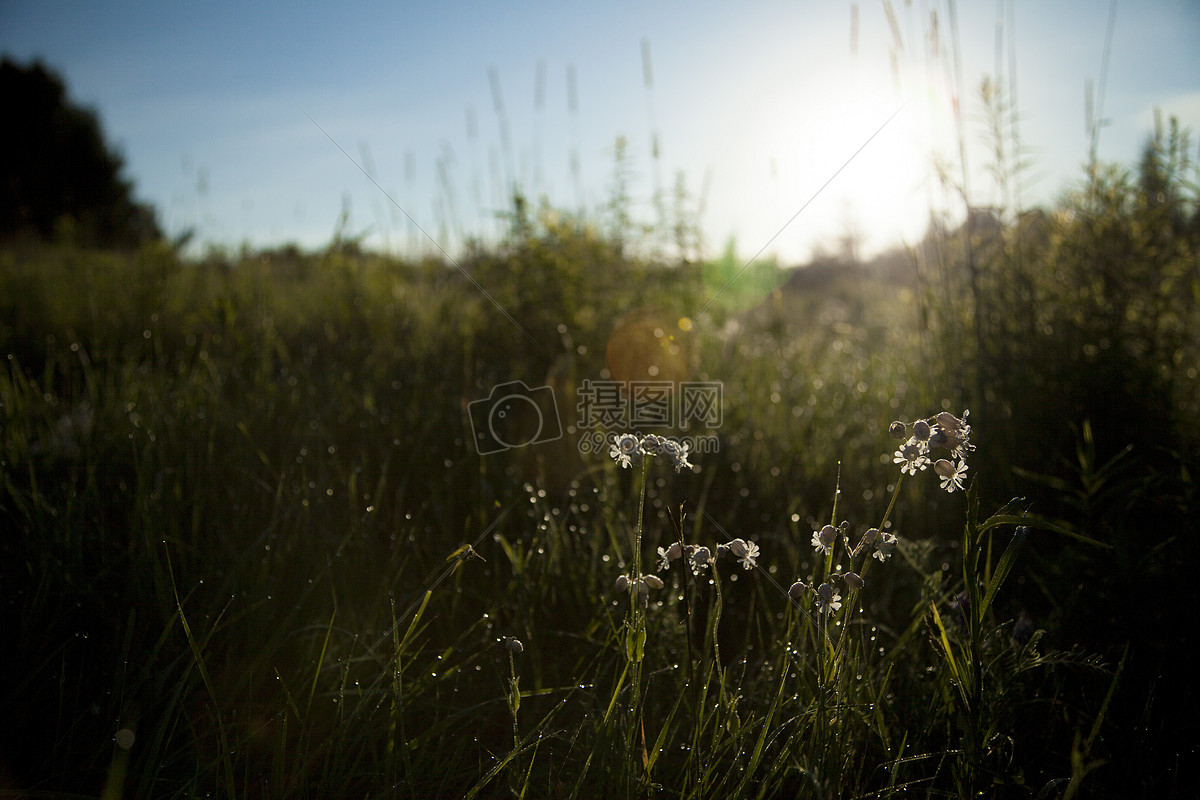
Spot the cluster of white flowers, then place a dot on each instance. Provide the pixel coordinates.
(827, 598)
(944, 431)
(824, 541)
(700, 558)
(628, 449)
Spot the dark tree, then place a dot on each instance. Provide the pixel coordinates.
(57, 174)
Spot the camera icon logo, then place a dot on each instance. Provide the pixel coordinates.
(514, 415)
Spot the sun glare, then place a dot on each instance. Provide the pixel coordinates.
(856, 157)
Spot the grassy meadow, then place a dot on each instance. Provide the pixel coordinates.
(251, 548)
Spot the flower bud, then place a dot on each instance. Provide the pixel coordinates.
(853, 580)
(798, 590)
(738, 548)
(897, 430)
(653, 581)
(950, 422)
(944, 468)
(513, 645)
(622, 584)
(828, 535)
(921, 430)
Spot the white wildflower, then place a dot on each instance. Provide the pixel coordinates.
(885, 547)
(746, 552)
(828, 599)
(626, 449)
(911, 456)
(957, 433)
(668, 554)
(868, 538)
(952, 476)
(823, 539)
(677, 452)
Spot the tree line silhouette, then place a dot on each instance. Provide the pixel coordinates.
(59, 179)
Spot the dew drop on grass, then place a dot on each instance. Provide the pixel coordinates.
(124, 738)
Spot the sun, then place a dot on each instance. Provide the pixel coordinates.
(845, 160)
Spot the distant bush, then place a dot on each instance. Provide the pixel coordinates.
(1072, 332)
(1085, 311)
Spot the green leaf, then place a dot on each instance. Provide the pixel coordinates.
(937, 620)
(1004, 566)
(635, 644)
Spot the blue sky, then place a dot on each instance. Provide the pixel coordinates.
(756, 104)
